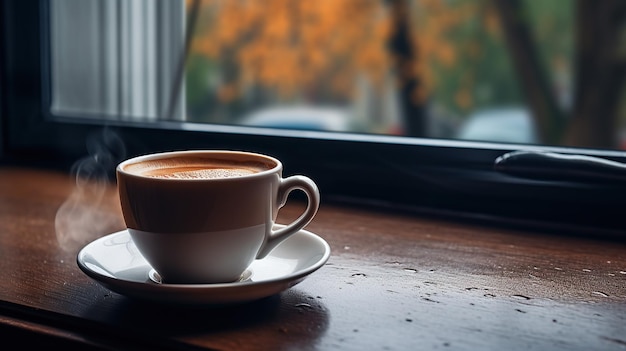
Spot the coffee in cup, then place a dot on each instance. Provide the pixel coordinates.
(204, 216)
(197, 168)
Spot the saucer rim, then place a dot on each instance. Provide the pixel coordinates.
(215, 293)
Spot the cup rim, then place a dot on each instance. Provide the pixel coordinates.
(159, 155)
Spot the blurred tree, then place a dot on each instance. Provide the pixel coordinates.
(295, 48)
(406, 60)
(321, 50)
(438, 51)
(600, 73)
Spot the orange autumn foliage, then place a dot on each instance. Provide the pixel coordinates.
(296, 46)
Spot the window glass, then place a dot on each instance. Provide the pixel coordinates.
(522, 71)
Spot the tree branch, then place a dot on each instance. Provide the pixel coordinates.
(534, 80)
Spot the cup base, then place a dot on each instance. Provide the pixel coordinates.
(155, 277)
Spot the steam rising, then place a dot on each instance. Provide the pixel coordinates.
(92, 209)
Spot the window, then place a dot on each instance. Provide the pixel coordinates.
(115, 60)
(417, 103)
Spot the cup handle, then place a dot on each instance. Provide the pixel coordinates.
(287, 185)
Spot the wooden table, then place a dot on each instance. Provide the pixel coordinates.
(395, 281)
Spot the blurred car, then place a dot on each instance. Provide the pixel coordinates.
(509, 125)
(300, 118)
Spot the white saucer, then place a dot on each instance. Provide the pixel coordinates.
(115, 262)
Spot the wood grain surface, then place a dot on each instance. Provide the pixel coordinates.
(395, 281)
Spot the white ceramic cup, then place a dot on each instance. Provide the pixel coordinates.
(196, 221)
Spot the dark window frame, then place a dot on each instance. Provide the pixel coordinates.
(426, 176)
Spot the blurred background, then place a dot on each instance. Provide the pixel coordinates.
(515, 71)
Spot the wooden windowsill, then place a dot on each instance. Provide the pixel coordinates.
(394, 281)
